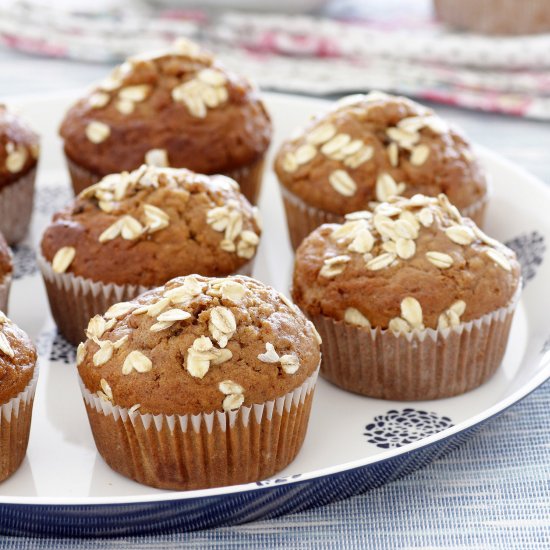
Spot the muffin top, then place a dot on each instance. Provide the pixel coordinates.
(19, 147)
(17, 359)
(198, 345)
(153, 224)
(370, 147)
(179, 108)
(412, 264)
(6, 264)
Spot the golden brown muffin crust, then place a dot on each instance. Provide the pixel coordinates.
(151, 225)
(339, 160)
(185, 105)
(483, 273)
(261, 316)
(17, 359)
(6, 264)
(19, 147)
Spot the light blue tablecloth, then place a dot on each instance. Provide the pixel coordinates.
(494, 492)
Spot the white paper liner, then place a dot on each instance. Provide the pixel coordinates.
(420, 365)
(5, 293)
(15, 425)
(74, 300)
(203, 450)
(302, 218)
(16, 206)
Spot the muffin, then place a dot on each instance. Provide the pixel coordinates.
(200, 383)
(19, 373)
(6, 269)
(179, 108)
(19, 150)
(135, 231)
(413, 302)
(367, 149)
(504, 17)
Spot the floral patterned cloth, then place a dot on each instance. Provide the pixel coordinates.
(353, 45)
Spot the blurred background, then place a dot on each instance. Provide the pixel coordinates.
(490, 56)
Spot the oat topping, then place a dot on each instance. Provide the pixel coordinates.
(411, 316)
(354, 317)
(97, 132)
(157, 157)
(105, 393)
(234, 395)
(334, 266)
(63, 259)
(207, 90)
(98, 326)
(99, 100)
(222, 325)
(80, 353)
(16, 159)
(289, 362)
(5, 346)
(119, 310)
(228, 219)
(451, 317)
(440, 259)
(343, 183)
(104, 353)
(137, 361)
(270, 355)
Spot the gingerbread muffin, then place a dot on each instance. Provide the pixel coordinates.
(367, 149)
(413, 302)
(179, 108)
(135, 231)
(19, 150)
(18, 376)
(200, 383)
(6, 269)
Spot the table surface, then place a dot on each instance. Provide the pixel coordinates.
(493, 492)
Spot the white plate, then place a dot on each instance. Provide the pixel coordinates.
(62, 467)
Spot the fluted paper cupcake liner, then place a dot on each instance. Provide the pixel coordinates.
(302, 218)
(204, 450)
(74, 300)
(5, 293)
(421, 365)
(496, 16)
(16, 205)
(15, 425)
(248, 177)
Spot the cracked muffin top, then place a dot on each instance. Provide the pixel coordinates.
(17, 359)
(411, 264)
(370, 147)
(178, 108)
(153, 224)
(198, 345)
(19, 147)
(6, 264)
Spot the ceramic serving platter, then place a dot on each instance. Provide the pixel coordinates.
(353, 443)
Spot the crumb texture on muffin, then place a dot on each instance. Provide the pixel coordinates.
(370, 147)
(153, 224)
(411, 264)
(19, 147)
(199, 345)
(17, 359)
(178, 108)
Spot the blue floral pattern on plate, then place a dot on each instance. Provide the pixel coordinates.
(398, 428)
